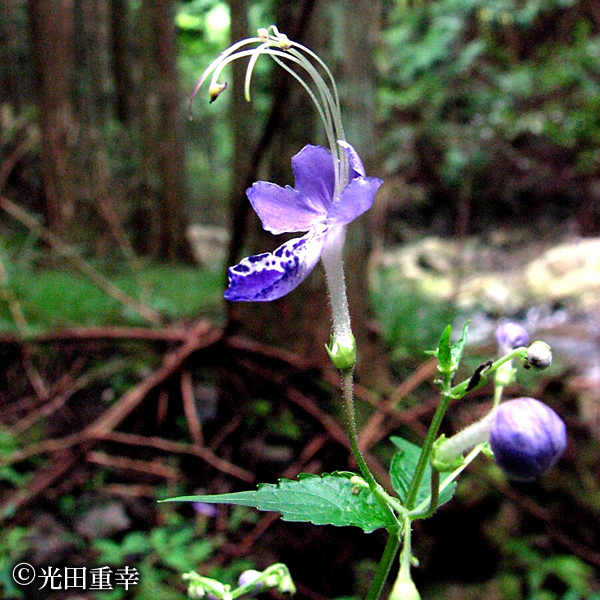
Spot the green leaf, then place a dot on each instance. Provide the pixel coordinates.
(457, 349)
(448, 354)
(402, 470)
(444, 354)
(329, 499)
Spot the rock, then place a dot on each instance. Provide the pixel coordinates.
(103, 521)
(569, 273)
(501, 279)
(209, 244)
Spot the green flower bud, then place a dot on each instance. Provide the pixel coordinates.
(342, 352)
(195, 591)
(405, 589)
(286, 585)
(539, 355)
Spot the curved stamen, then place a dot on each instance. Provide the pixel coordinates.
(214, 64)
(282, 50)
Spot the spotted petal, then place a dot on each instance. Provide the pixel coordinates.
(283, 210)
(271, 275)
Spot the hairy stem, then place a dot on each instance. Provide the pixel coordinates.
(384, 566)
(428, 443)
(435, 498)
(348, 397)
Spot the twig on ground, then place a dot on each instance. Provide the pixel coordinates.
(43, 479)
(200, 336)
(152, 467)
(189, 408)
(172, 447)
(71, 255)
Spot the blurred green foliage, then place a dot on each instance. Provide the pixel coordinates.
(544, 573)
(52, 296)
(501, 96)
(13, 546)
(410, 321)
(160, 555)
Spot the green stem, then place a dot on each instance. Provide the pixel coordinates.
(459, 390)
(348, 397)
(406, 555)
(435, 498)
(384, 566)
(429, 440)
(379, 493)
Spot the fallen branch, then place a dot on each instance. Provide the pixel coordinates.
(172, 447)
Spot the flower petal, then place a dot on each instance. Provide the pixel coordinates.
(271, 275)
(356, 198)
(356, 166)
(283, 210)
(315, 177)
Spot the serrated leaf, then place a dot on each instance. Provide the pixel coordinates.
(402, 470)
(329, 499)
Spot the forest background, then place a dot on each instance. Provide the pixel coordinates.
(122, 368)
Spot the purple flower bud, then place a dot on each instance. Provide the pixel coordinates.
(527, 438)
(207, 510)
(511, 335)
(250, 576)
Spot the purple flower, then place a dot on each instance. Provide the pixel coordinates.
(207, 510)
(527, 438)
(310, 207)
(511, 335)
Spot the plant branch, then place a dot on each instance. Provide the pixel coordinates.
(385, 564)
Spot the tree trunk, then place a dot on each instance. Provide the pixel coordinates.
(162, 133)
(51, 24)
(16, 73)
(121, 58)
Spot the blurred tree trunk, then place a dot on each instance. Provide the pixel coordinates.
(124, 85)
(162, 130)
(16, 79)
(51, 24)
(240, 111)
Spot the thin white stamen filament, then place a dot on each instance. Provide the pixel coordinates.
(325, 116)
(283, 50)
(251, 63)
(338, 154)
(336, 110)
